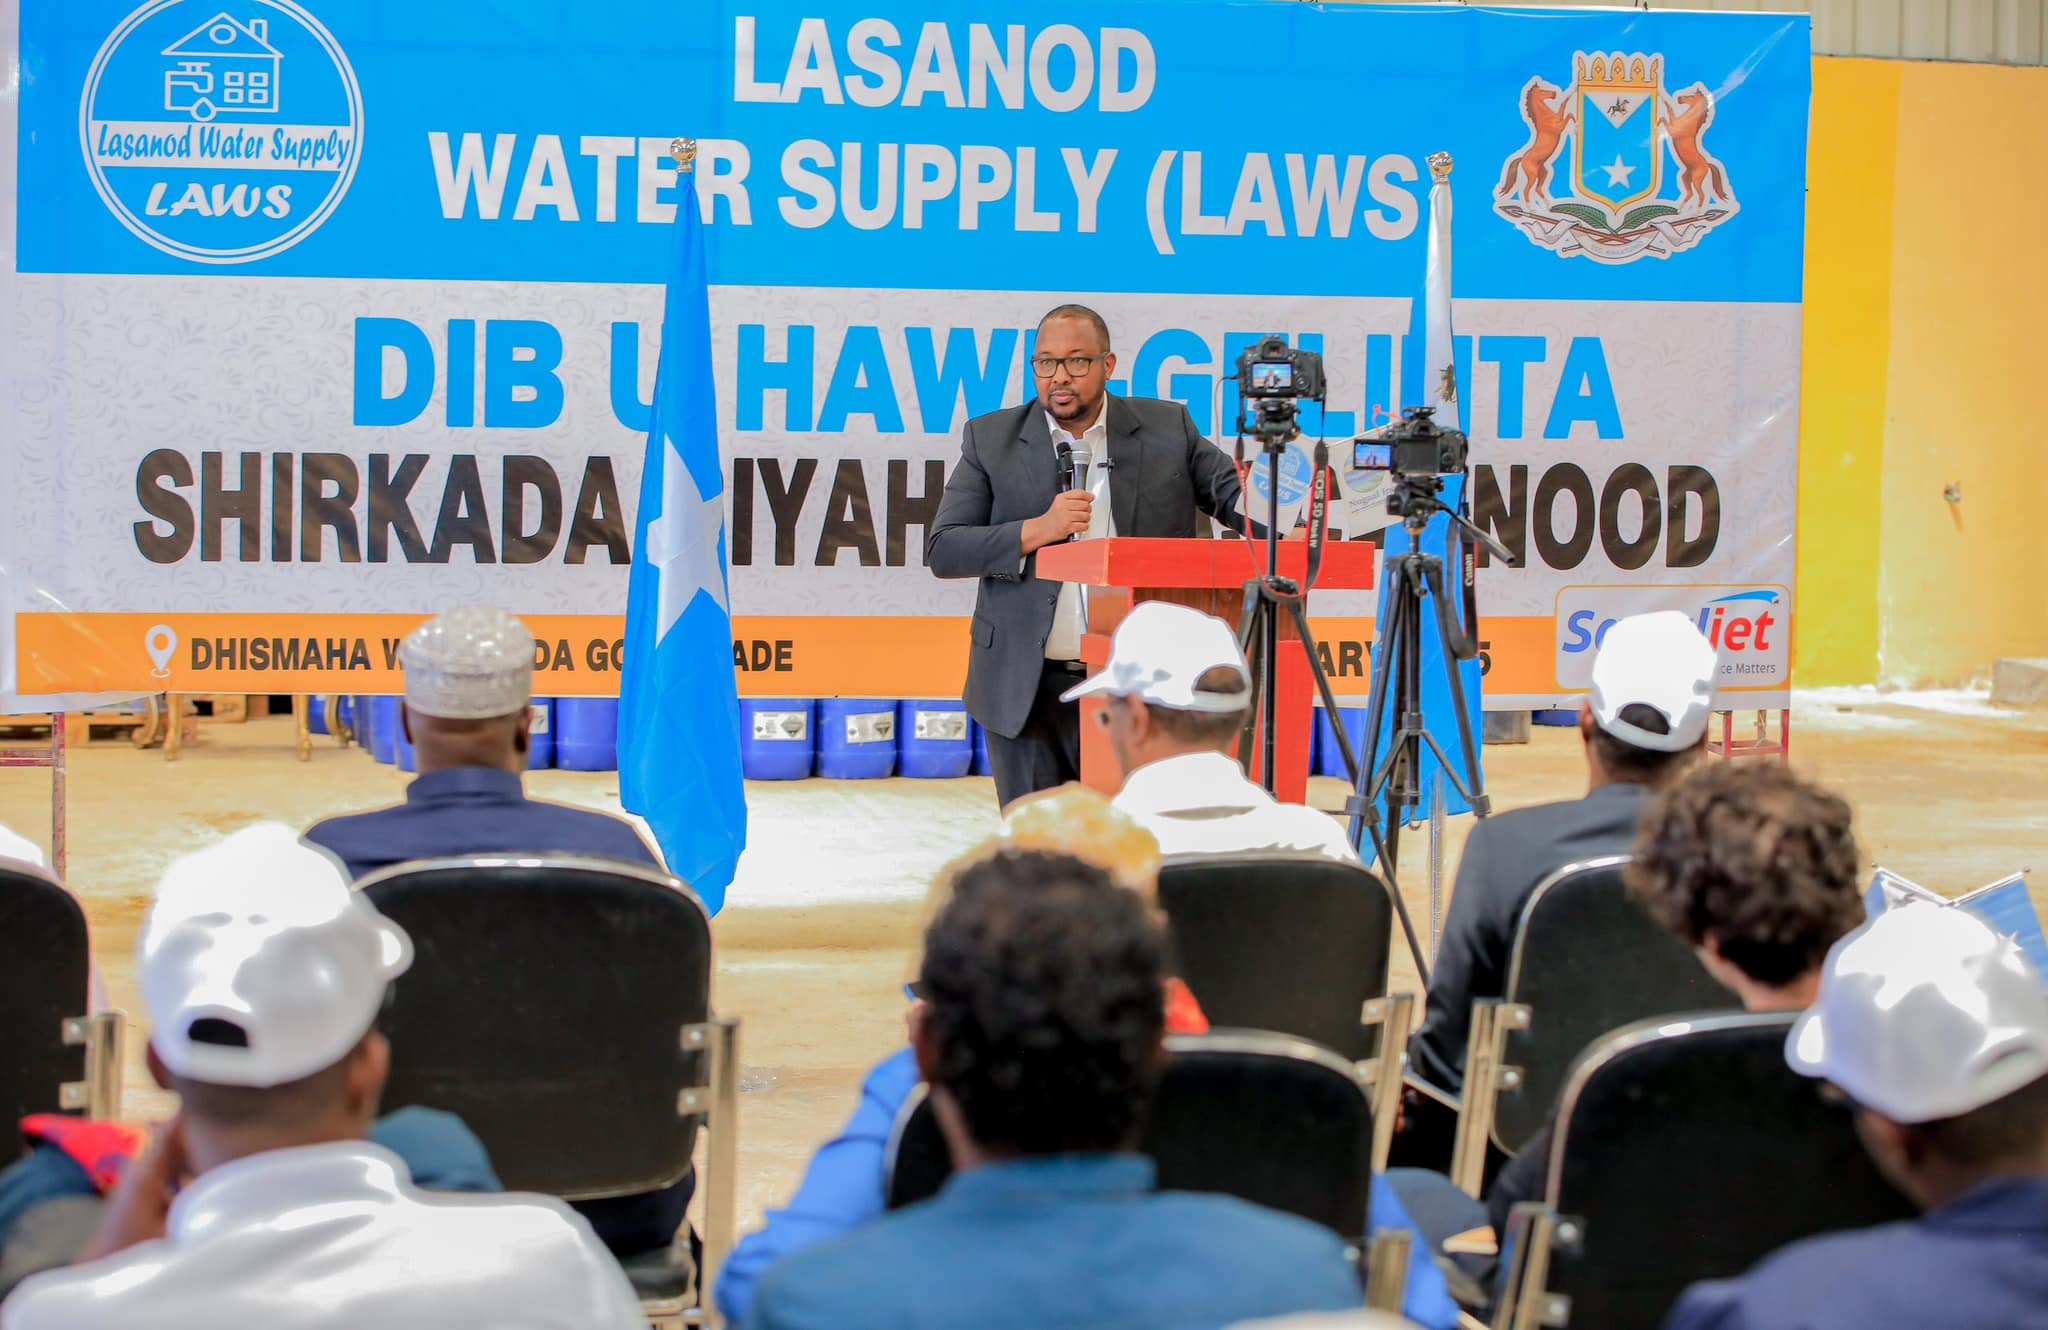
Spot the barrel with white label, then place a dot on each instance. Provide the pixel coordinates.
(540, 736)
(856, 738)
(778, 737)
(935, 739)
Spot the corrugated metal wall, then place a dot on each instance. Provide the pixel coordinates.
(2006, 32)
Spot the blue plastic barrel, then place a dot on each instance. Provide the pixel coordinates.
(316, 715)
(540, 740)
(1329, 758)
(981, 762)
(1557, 716)
(587, 733)
(403, 755)
(856, 738)
(366, 724)
(934, 738)
(778, 737)
(384, 729)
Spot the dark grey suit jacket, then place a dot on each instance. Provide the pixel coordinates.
(1505, 857)
(1162, 473)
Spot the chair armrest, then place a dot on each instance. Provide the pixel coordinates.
(1485, 1078)
(1386, 1268)
(103, 1034)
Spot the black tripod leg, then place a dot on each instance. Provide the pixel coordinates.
(1397, 637)
(1475, 790)
(1249, 641)
(1308, 644)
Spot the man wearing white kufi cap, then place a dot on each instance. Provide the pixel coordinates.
(468, 688)
(261, 1203)
(1934, 1029)
(468, 694)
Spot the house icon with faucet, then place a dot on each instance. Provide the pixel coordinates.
(223, 65)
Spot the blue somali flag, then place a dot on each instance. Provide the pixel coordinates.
(679, 710)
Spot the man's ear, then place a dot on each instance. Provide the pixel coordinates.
(405, 721)
(522, 733)
(1586, 723)
(368, 1068)
(924, 1045)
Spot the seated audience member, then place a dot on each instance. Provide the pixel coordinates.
(1176, 695)
(261, 1203)
(1039, 1033)
(1936, 1029)
(842, 1186)
(468, 695)
(468, 686)
(1753, 866)
(1646, 718)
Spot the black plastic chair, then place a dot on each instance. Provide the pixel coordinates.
(561, 1007)
(1294, 943)
(1586, 960)
(55, 1057)
(1266, 1118)
(1685, 1150)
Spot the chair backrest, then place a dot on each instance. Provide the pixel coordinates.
(1266, 1118)
(48, 963)
(1686, 1149)
(1293, 943)
(547, 1005)
(1586, 960)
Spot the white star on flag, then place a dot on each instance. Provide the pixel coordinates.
(1618, 173)
(682, 544)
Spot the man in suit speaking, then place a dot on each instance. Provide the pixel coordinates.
(1005, 501)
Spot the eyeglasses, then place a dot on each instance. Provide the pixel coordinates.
(1043, 366)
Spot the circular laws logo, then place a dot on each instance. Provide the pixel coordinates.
(221, 131)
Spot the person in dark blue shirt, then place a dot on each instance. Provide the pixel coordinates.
(468, 689)
(1040, 1034)
(1936, 1028)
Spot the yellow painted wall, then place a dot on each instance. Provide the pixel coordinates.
(1962, 584)
(1851, 153)
(1926, 280)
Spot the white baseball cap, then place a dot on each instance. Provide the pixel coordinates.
(1662, 662)
(1925, 1012)
(1159, 652)
(259, 965)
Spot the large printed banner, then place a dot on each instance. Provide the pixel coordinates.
(324, 316)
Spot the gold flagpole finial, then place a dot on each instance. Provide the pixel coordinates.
(1440, 167)
(685, 153)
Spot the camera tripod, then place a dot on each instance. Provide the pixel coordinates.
(1266, 598)
(1413, 583)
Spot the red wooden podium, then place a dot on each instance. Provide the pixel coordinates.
(1210, 575)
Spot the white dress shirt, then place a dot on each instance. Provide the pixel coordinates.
(1201, 803)
(1068, 625)
(336, 1237)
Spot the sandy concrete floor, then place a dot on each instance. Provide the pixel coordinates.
(822, 925)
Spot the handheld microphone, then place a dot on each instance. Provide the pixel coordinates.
(1064, 451)
(1080, 458)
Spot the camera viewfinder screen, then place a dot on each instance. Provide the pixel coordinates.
(1266, 378)
(1372, 457)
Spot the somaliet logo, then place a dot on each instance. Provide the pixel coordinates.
(221, 131)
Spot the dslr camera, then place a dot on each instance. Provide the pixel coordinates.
(1413, 446)
(1274, 371)
(1271, 378)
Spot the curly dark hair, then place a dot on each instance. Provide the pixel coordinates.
(1753, 854)
(1044, 981)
